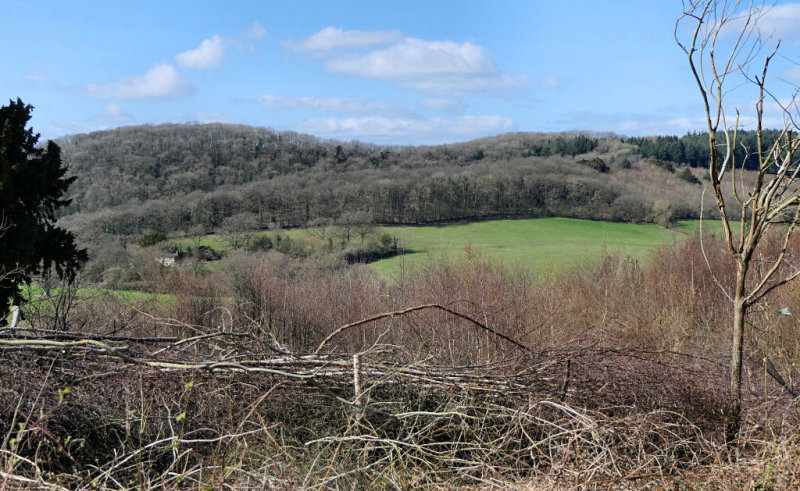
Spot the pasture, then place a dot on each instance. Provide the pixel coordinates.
(541, 244)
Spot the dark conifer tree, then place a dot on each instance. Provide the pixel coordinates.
(32, 186)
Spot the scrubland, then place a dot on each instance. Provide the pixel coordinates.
(468, 373)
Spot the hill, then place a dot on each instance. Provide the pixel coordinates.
(195, 177)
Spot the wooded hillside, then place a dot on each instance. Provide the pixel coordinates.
(174, 177)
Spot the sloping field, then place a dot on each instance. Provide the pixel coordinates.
(542, 244)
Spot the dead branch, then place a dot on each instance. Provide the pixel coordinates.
(414, 309)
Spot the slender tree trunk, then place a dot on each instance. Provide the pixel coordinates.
(735, 394)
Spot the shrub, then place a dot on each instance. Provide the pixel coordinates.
(596, 163)
(663, 213)
(260, 243)
(378, 247)
(662, 164)
(152, 239)
(206, 253)
(686, 175)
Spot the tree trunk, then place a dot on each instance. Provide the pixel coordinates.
(735, 389)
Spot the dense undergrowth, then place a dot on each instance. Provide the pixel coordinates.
(609, 376)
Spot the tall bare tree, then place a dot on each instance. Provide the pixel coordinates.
(729, 52)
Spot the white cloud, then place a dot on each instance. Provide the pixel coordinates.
(346, 105)
(112, 113)
(641, 125)
(769, 22)
(380, 129)
(792, 75)
(208, 55)
(442, 104)
(552, 81)
(416, 57)
(334, 39)
(160, 82)
(206, 118)
(430, 66)
(37, 78)
(781, 21)
(255, 31)
(676, 126)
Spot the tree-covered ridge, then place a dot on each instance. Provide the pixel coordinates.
(692, 148)
(177, 177)
(152, 162)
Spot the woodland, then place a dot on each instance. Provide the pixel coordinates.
(174, 177)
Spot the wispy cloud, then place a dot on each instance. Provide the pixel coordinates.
(770, 22)
(792, 75)
(112, 113)
(333, 39)
(444, 104)
(552, 81)
(343, 105)
(160, 82)
(208, 55)
(781, 21)
(255, 31)
(431, 67)
(37, 78)
(379, 129)
(205, 118)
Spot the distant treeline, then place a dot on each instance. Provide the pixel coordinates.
(172, 177)
(692, 148)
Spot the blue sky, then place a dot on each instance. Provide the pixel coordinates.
(411, 72)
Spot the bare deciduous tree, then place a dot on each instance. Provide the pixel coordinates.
(724, 42)
(237, 230)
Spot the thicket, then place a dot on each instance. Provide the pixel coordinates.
(474, 374)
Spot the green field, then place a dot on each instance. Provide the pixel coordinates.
(542, 244)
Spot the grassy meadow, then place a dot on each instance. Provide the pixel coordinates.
(541, 244)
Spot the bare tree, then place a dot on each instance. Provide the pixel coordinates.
(237, 230)
(361, 223)
(323, 229)
(724, 45)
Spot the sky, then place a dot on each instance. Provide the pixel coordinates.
(411, 72)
